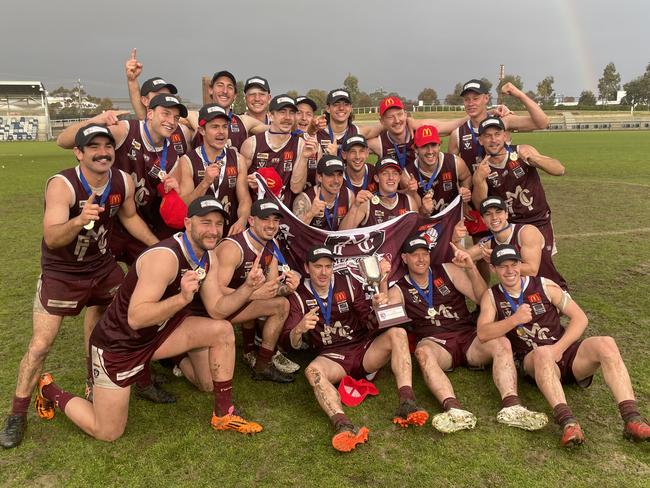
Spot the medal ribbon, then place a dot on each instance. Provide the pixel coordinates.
(325, 310)
(479, 149)
(330, 131)
(348, 181)
(200, 263)
(429, 296)
(514, 306)
(426, 187)
(275, 250)
(207, 162)
(86, 187)
(401, 156)
(331, 217)
(162, 159)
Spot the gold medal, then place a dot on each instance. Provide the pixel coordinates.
(200, 273)
(431, 312)
(285, 268)
(161, 174)
(520, 331)
(89, 225)
(514, 156)
(375, 200)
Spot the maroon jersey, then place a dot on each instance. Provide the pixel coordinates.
(224, 188)
(113, 332)
(323, 137)
(369, 179)
(519, 185)
(394, 150)
(248, 255)
(379, 212)
(444, 186)
(350, 311)
(469, 148)
(343, 202)
(547, 268)
(179, 141)
(282, 160)
(137, 157)
(237, 133)
(449, 303)
(87, 253)
(543, 330)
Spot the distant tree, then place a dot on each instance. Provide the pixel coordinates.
(318, 96)
(455, 98)
(377, 96)
(363, 100)
(351, 84)
(293, 94)
(609, 84)
(637, 91)
(60, 92)
(104, 104)
(587, 99)
(532, 95)
(429, 96)
(545, 93)
(508, 100)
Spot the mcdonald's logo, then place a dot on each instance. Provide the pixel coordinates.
(176, 137)
(114, 199)
(438, 282)
(267, 259)
(270, 182)
(288, 155)
(231, 171)
(426, 132)
(340, 296)
(446, 176)
(534, 298)
(389, 101)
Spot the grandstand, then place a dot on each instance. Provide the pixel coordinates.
(24, 115)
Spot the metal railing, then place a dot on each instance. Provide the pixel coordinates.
(413, 108)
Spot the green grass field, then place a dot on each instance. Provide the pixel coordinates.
(601, 214)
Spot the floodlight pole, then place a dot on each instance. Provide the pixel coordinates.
(79, 86)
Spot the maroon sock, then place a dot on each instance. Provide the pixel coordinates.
(628, 410)
(338, 419)
(563, 414)
(248, 335)
(264, 357)
(451, 402)
(405, 393)
(55, 394)
(510, 401)
(222, 397)
(20, 405)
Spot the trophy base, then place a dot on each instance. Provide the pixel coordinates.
(391, 315)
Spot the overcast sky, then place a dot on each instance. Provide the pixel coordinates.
(402, 46)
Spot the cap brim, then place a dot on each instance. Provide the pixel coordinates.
(389, 165)
(285, 105)
(309, 102)
(258, 85)
(337, 98)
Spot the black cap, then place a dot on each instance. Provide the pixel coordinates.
(338, 94)
(165, 100)
(504, 252)
(281, 101)
(155, 84)
(385, 163)
(476, 86)
(356, 140)
(265, 208)
(329, 164)
(317, 252)
(413, 242)
(490, 122)
(205, 204)
(211, 111)
(308, 101)
(227, 74)
(492, 202)
(88, 132)
(259, 82)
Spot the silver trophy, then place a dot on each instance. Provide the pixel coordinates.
(387, 315)
(369, 267)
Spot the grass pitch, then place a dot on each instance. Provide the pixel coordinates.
(601, 215)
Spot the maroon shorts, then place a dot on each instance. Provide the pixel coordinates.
(455, 343)
(549, 237)
(124, 247)
(350, 357)
(66, 295)
(565, 365)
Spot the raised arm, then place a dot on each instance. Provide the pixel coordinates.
(536, 118)
(133, 69)
(531, 156)
(118, 128)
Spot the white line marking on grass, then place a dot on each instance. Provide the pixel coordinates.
(607, 182)
(603, 233)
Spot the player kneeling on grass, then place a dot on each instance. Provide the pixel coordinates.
(434, 299)
(527, 310)
(345, 344)
(150, 319)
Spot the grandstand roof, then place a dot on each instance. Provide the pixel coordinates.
(34, 88)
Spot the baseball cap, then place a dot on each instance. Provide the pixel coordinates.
(504, 252)
(259, 82)
(386, 163)
(492, 202)
(308, 101)
(225, 73)
(353, 392)
(320, 251)
(426, 134)
(329, 164)
(272, 179)
(166, 100)
(155, 84)
(281, 101)
(338, 94)
(211, 111)
(265, 208)
(356, 140)
(390, 102)
(477, 86)
(205, 204)
(413, 242)
(490, 122)
(88, 132)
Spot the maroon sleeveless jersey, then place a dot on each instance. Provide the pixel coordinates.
(282, 160)
(449, 303)
(369, 180)
(113, 332)
(469, 148)
(393, 150)
(543, 330)
(87, 253)
(224, 188)
(323, 137)
(343, 202)
(444, 186)
(519, 185)
(350, 312)
(378, 213)
(178, 141)
(237, 134)
(248, 255)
